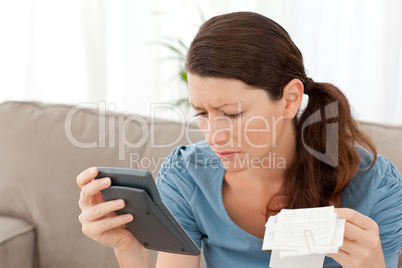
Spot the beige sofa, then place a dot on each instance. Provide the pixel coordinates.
(43, 148)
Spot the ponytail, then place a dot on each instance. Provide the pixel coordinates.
(327, 157)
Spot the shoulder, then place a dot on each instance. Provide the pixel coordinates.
(373, 186)
(187, 158)
(185, 167)
(377, 193)
(382, 173)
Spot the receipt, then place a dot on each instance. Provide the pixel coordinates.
(303, 236)
(293, 225)
(306, 261)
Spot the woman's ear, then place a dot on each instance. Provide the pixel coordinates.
(293, 96)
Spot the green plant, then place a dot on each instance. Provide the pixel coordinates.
(179, 52)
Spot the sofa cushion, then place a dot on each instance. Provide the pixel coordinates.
(17, 243)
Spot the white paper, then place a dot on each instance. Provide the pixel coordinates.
(298, 235)
(307, 261)
(269, 236)
(294, 224)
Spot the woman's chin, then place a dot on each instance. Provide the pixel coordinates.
(232, 167)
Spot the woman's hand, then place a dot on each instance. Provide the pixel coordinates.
(98, 219)
(361, 243)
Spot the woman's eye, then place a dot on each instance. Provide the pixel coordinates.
(233, 115)
(203, 114)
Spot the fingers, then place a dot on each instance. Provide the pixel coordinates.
(100, 210)
(86, 176)
(356, 218)
(95, 229)
(341, 257)
(97, 217)
(364, 237)
(351, 254)
(90, 189)
(361, 240)
(347, 254)
(360, 228)
(351, 247)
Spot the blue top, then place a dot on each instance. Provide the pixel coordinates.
(190, 184)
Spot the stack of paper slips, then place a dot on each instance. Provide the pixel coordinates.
(303, 236)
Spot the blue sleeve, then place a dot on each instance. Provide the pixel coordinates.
(176, 188)
(387, 209)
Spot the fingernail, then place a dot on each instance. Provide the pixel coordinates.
(92, 171)
(128, 217)
(119, 203)
(105, 181)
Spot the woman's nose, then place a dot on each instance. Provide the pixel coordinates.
(218, 132)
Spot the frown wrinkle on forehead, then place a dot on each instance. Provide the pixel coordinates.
(239, 102)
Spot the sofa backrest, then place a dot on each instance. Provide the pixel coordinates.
(388, 140)
(44, 147)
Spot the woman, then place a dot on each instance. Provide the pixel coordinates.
(246, 82)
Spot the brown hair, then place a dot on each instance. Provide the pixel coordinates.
(258, 51)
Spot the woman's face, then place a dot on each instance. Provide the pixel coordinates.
(240, 123)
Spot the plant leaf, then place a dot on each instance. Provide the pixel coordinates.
(183, 75)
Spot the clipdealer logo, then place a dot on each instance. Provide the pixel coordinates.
(330, 156)
(107, 136)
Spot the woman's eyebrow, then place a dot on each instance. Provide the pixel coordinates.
(218, 107)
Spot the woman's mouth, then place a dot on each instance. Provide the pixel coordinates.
(226, 155)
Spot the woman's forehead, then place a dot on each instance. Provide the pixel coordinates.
(219, 106)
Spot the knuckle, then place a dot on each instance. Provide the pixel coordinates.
(365, 254)
(80, 203)
(375, 227)
(375, 242)
(84, 191)
(80, 178)
(96, 211)
(105, 224)
(84, 176)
